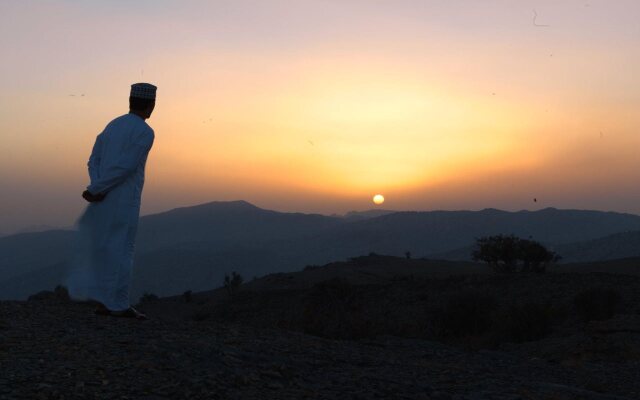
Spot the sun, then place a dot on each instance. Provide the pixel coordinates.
(378, 199)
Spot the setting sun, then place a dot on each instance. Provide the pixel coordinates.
(378, 199)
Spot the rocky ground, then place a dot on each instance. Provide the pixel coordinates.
(51, 348)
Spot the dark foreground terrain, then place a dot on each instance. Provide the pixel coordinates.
(344, 331)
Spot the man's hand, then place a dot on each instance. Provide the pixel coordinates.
(92, 198)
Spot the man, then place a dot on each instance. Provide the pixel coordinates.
(106, 231)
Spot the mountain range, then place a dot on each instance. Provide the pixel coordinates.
(192, 248)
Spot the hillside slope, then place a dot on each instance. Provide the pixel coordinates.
(192, 248)
(403, 333)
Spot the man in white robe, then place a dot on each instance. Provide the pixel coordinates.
(103, 261)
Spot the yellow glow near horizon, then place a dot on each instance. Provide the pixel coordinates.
(378, 199)
(336, 129)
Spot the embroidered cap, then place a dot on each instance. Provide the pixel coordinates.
(143, 91)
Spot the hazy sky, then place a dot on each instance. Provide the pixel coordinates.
(315, 106)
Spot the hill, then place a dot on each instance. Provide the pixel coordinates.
(611, 247)
(191, 248)
(25, 253)
(359, 215)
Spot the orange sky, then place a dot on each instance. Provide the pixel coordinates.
(315, 106)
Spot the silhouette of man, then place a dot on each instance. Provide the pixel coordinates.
(106, 231)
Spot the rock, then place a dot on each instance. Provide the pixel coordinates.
(629, 323)
(68, 351)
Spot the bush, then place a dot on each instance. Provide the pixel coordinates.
(59, 293)
(187, 297)
(148, 298)
(527, 322)
(232, 283)
(201, 315)
(597, 303)
(466, 314)
(479, 317)
(333, 309)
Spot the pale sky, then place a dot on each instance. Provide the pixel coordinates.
(315, 106)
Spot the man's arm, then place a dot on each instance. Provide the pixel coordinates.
(94, 159)
(123, 168)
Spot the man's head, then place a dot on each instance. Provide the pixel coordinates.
(142, 99)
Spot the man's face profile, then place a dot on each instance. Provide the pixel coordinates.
(149, 110)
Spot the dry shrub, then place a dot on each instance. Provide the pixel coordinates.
(478, 319)
(334, 309)
(232, 283)
(597, 303)
(470, 313)
(59, 293)
(201, 315)
(527, 322)
(147, 298)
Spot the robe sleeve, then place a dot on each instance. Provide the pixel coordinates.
(126, 165)
(94, 159)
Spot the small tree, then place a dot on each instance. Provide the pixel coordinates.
(232, 283)
(505, 253)
(500, 252)
(535, 257)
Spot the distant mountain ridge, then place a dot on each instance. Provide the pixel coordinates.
(359, 215)
(612, 247)
(225, 223)
(191, 248)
